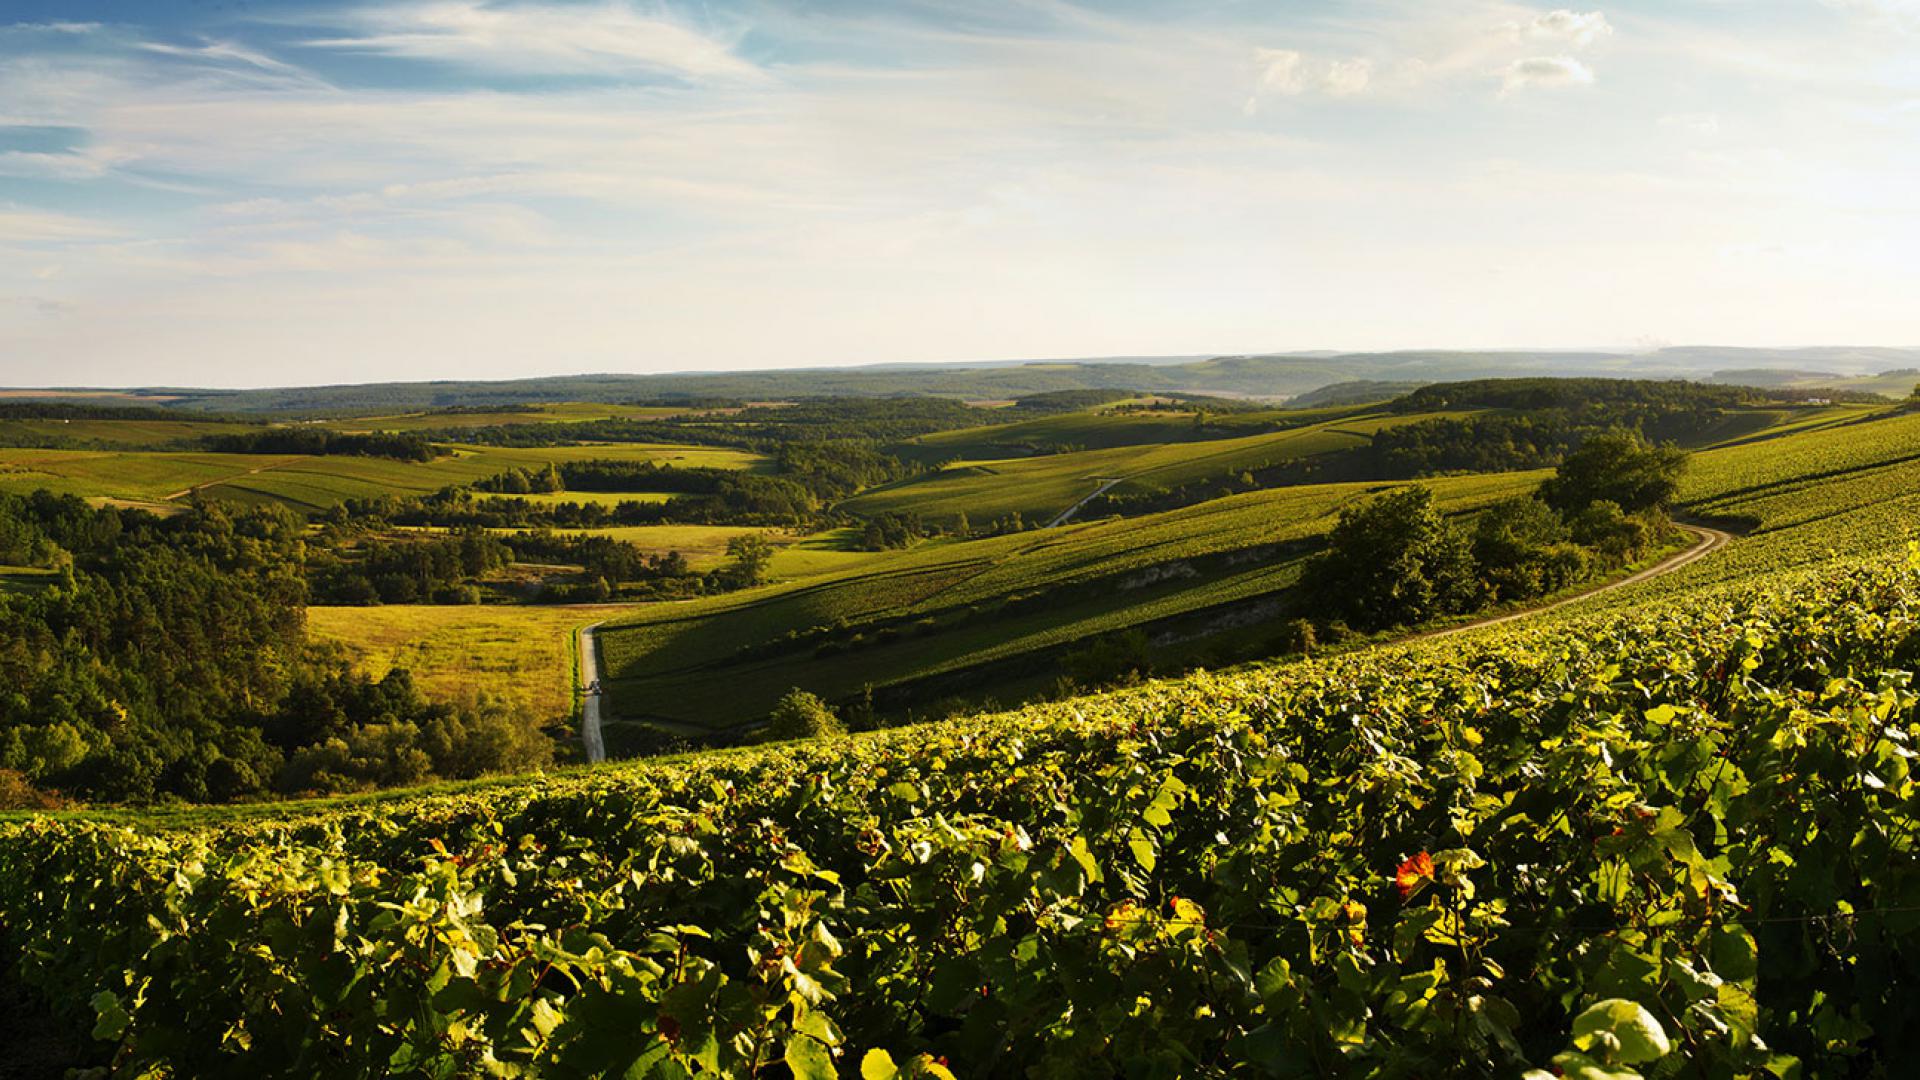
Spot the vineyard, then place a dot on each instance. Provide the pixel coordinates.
(1678, 841)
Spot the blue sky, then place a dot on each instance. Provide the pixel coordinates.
(254, 193)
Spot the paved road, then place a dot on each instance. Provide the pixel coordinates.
(596, 747)
(1075, 508)
(1711, 540)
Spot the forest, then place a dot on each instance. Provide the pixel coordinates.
(170, 660)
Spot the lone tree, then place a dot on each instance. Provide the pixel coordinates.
(751, 552)
(1393, 560)
(801, 715)
(1618, 467)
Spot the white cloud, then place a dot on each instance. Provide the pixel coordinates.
(1545, 71)
(1291, 73)
(1573, 30)
(607, 38)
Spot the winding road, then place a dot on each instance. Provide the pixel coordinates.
(590, 738)
(1711, 540)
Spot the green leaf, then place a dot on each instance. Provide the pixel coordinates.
(113, 1019)
(1142, 847)
(1577, 1066)
(809, 1059)
(1639, 1035)
(1736, 956)
(878, 1065)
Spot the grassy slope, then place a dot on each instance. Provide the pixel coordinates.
(306, 482)
(520, 653)
(1101, 429)
(114, 432)
(564, 412)
(1829, 479)
(1038, 488)
(1098, 577)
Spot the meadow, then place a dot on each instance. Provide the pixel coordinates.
(521, 653)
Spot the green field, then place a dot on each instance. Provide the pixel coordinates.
(522, 653)
(1102, 428)
(946, 607)
(594, 498)
(308, 482)
(565, 412)
(1038, 488)
(109, 433)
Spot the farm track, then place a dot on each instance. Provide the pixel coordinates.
(1068, 513)
(590, 738)
(255, 471)
(1711, 540)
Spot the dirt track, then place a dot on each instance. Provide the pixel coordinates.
(1711, 540)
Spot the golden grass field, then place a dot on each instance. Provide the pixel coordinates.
(522, 653)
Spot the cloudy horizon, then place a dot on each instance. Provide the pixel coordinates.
(277, 193)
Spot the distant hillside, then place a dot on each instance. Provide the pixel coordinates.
(1272, 376)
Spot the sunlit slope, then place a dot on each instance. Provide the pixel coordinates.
(1038, 488)
(308, 482)
(949, 606)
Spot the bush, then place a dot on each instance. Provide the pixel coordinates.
(1110, 660)
(801, 715)
(1393, 561)
(1618, 467)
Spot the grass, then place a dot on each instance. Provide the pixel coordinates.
(523, 653)
(112, 433)
(25, 579)
(308, 482)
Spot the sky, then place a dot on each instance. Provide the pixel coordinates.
(255, 192)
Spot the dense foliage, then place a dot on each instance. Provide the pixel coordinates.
(401, 446)
(170, 659)
(1677, 843)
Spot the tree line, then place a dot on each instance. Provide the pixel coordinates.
(1397, 560)
(400, 446)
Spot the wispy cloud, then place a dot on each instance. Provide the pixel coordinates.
(226, 52)
(1545, 71)
(53, 27)
(27, 226)
(609, 37)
